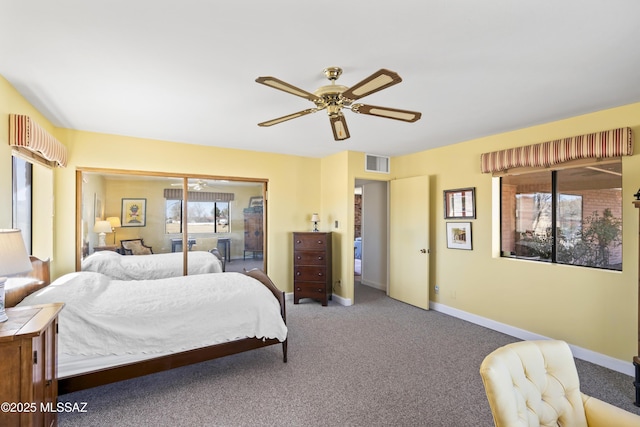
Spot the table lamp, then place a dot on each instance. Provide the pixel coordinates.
(102, 228)
(315, 219)
(115, 223)
(14, 259)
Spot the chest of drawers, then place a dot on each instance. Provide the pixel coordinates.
(312, 266)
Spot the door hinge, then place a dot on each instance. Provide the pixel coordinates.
(35, 357)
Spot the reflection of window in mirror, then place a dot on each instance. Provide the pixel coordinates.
(202, 217)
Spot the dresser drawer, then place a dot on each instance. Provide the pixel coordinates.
(310, 273)
(309, 258)
(310, 290)
(310, 241)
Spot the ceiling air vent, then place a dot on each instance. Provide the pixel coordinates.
(376, 163)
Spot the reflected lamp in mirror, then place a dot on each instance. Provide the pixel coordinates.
(14, 259)
(115, 223)
(102, 228)
(315, 219)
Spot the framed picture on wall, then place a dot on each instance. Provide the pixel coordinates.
(134, 212)
(255, 202)
(460, 203)
(459, 235)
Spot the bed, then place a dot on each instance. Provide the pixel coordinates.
(101, 342)
(154, 266)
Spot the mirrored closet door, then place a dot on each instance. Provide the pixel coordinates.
(154, 213)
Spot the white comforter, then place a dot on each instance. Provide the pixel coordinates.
(156, 266)
(112, 317)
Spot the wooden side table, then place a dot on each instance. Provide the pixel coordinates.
(28, 368)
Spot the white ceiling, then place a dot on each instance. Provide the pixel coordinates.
(185, 70)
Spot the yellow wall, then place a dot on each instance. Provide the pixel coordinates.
(338, 179)
(11, 102)
(591, 308)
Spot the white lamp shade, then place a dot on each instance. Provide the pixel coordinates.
(14, 258)
(114, 221)
(102, 227)
(315, 218)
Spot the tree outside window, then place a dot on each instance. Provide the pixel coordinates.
(572, 216)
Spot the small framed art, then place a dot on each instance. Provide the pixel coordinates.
(134, 213)
(460, 203)
(459, 235)
(255, 202)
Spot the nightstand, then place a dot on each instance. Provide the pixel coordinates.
(28, 368)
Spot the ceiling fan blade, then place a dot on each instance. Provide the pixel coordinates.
(389, 113)
(339, 127)
(286, 87)
(288, 117)
(379, 80)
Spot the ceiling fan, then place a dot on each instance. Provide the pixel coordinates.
(197, 186)
(334, 98)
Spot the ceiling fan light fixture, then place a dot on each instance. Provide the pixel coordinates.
(335, 97)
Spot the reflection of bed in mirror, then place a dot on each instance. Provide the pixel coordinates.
(155, 266)
(111, 330)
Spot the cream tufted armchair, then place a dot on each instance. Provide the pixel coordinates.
(535, 383)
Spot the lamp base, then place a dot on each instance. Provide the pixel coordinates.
(315, 226)
(3, 314)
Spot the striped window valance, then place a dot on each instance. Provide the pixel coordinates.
(26, 134)
(610, 143)
(198, 196)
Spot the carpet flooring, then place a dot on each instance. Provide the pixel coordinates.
(379, 362)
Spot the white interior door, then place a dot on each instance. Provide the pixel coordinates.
(409, 241)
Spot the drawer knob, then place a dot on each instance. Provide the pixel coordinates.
(297, 273)
(319, 274)
(319, 242)
(298, 241)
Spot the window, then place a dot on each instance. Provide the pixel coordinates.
(571, 216)
(202, 217)
(22, 178)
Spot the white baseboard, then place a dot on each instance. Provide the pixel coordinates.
(375, 285)
(288, 296)
(578, 352)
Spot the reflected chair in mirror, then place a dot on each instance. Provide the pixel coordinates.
(535, 383)
(135, 247)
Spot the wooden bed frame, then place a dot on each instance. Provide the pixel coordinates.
(137, 369)
(41, 276)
